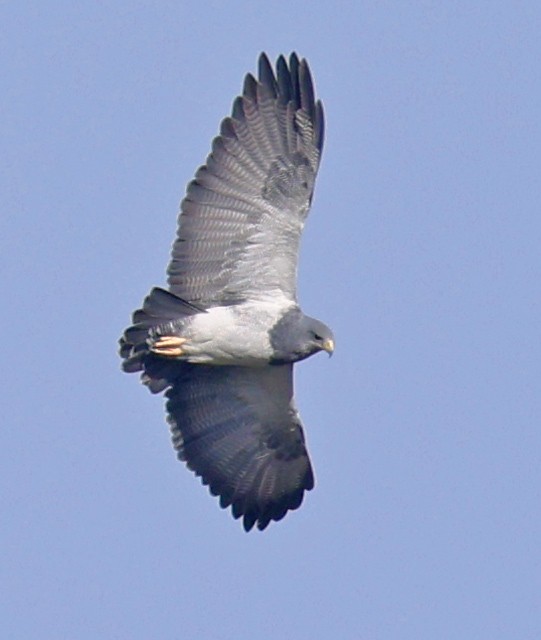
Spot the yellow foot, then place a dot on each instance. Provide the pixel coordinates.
(169, 346)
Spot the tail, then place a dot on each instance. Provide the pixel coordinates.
(160, 307)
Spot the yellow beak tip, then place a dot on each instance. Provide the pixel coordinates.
(328, 345)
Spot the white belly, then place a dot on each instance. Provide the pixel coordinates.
(232, 335)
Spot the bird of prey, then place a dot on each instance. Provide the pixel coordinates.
(223, 338)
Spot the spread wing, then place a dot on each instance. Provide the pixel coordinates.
(237, 428)
(243, 214)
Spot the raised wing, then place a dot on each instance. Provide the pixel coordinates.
(242, 217)
(237, 428)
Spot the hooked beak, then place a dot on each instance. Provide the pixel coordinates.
(328, 346)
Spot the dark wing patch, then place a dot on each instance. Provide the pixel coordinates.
(245, 210)
(237, 429)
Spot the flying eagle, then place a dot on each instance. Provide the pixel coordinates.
(223, 339)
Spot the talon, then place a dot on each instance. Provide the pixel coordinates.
(169, 346)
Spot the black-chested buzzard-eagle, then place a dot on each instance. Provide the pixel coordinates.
(223, 339)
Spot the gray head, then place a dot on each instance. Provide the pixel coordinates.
(296, 336)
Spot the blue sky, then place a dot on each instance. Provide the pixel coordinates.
(422, 252)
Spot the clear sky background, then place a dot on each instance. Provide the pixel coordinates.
(422, 252)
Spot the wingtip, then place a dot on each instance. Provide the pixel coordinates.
(249, 89)
(266, 75)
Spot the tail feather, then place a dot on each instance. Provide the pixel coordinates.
(159, 307)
